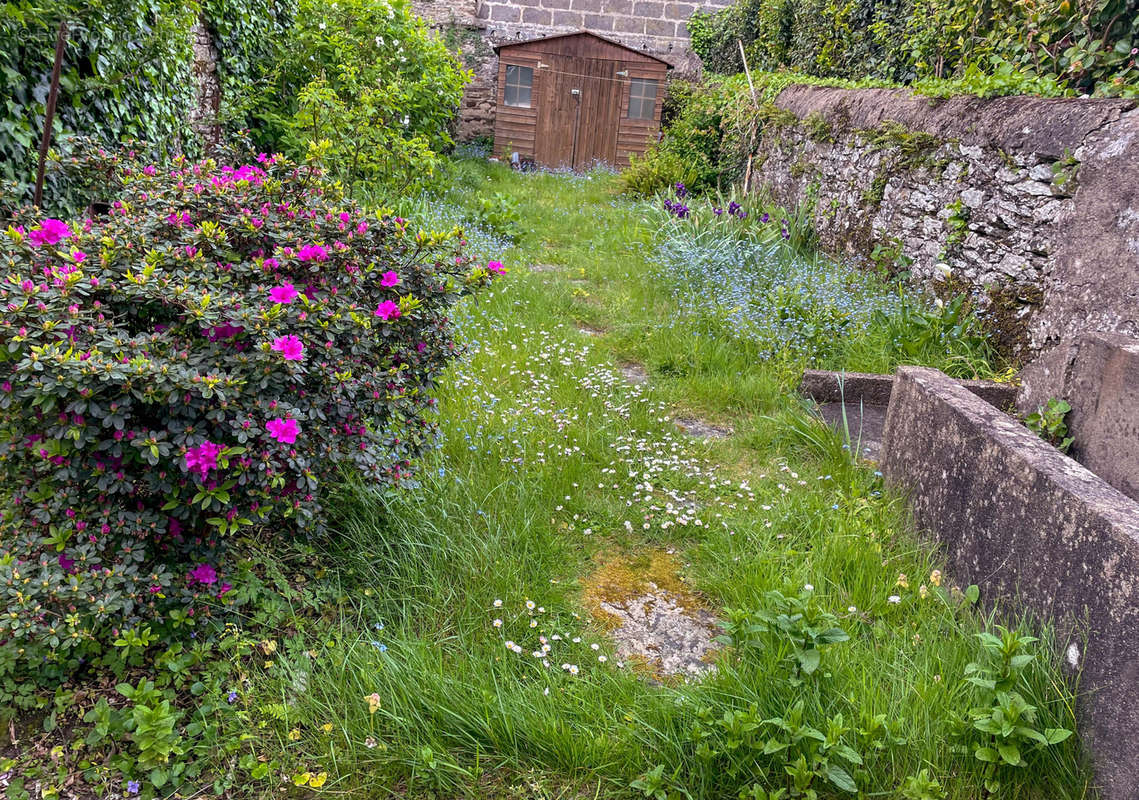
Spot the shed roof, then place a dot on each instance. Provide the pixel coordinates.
(555, 36)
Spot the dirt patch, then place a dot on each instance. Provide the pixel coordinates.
(545, 268)
(634, 373)
(701, 429)
(589, 330)
(651, 615)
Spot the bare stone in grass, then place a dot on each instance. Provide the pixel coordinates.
(653, 617)
(589, 330)
(634, 373)
(658, 628)
(545, 268)
(701, 429)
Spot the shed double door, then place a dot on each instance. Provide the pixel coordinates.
(579, 113)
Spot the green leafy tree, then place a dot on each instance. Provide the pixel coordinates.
(371, 87)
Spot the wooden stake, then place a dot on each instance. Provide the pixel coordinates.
(49, 111)
(755, 103)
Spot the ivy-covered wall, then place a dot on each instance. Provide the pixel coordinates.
(128, 73)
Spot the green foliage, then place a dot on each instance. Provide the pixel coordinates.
(251, 38)
(369, 85)
(922, 787)
(1003, 729)
(498, 214)
(190, 366)
(795, 623)
(658, 170)
(1047, 422)
(916, 334)
(992, 47)
(126, 75)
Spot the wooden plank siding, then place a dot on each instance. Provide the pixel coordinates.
(635, 135)
(599, 129)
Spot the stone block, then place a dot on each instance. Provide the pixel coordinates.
(823, 386)
(1025, 522)
(649, 8)
(500, 12)
(1098, 375)
(588, 6)
(629, 25)
(569, 19)
(679, 11)
(599, 23)
(536, 16)
(660, 27)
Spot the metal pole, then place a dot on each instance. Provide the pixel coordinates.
(49, 112)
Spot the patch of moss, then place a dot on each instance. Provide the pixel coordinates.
(772, 116)
(1003, 319)
(621, 578)
(817, 127)
(909, 149)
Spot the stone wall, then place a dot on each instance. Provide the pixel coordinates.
(1030, 203)
(474, 27)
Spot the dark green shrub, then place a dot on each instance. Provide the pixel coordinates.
(194, 364)
(657, 170)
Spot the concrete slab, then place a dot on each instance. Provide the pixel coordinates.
(866, 424)
(1026, 523)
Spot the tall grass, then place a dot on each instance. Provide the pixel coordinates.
(551, 464)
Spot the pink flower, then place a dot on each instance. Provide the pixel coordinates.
(389, 279)
(50, 231)
(312, 252)
(283, 430)
(285, 293)
(149, 170)
(204, 574)
(68, 564)
(225, 587)
(203, 458)
(290, 347)
(496, 268)
(387, 310)
(78, 256)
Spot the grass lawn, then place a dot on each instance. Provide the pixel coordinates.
(450, 640)
(559, 481)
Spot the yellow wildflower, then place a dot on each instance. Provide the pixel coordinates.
(294, 734)
(373, 701)
(903, 581)
(935, 577)
(316, 781)
(326, 727)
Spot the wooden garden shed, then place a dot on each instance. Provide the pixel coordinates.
(575, 99)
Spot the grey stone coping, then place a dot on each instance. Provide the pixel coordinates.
(1034, 528)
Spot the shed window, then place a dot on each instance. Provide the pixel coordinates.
(519, 81)
(642, 98)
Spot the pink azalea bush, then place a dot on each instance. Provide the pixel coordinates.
(194, 363)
